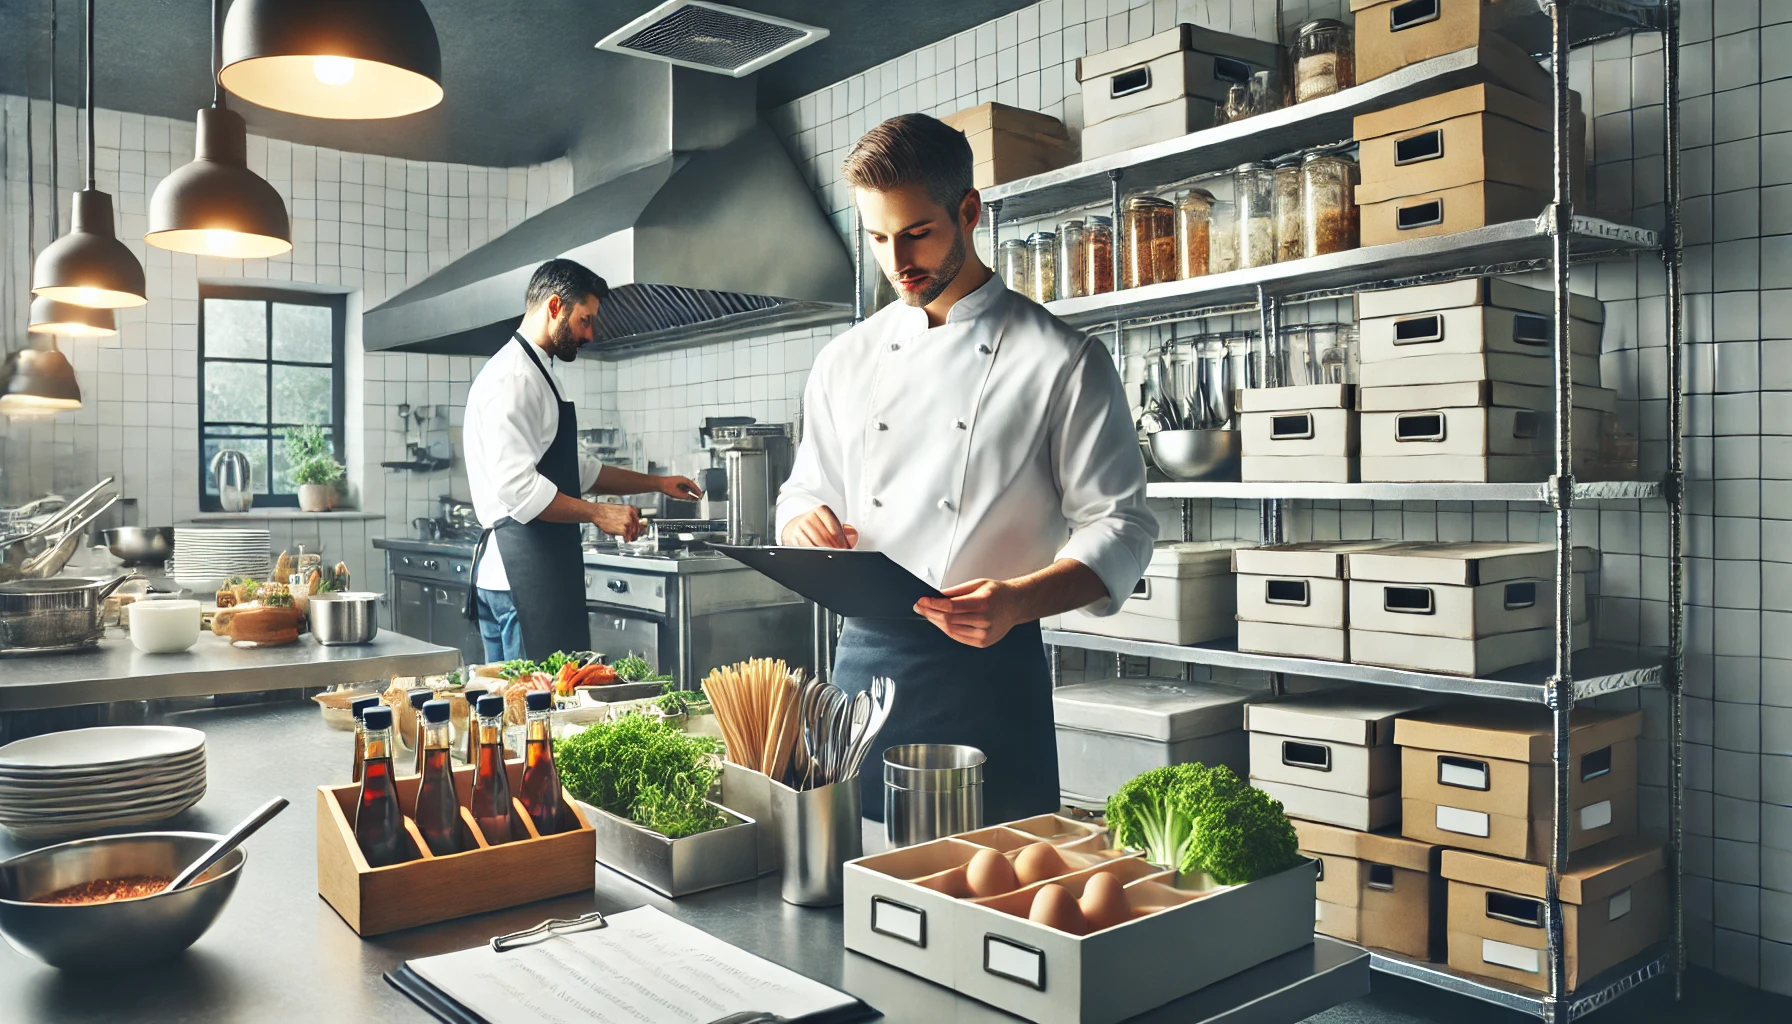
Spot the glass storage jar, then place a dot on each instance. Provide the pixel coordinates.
(1098, 256)
(1335, 347)
(1254, 190)
(1288, 211)
(1324, 59)
(1222, 238)
(1042, 266)
(1149, 240)
(1073, 279)
(1328, 204)
(1194, 231)
(1013, 265)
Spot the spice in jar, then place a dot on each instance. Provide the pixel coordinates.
(1098, 256)
(1149, 238)
(1073, 279)
(1042, 266)
(1012, 264)
(1254, 190)
(1288, 211)
(1222, 238)
(1324, 59)
(1329, 217)
(1194, 232)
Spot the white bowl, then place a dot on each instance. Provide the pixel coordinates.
(164, 627)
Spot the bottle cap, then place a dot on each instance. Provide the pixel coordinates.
(491, 705)
(538, 700)
(375, 719)
(436, 712)
(361, 704)
(422, 697)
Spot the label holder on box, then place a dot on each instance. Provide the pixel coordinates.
(1291, 427)
(1419, 426)
(1312, 756)
(1125, 83)
(1463, 822)
(1015, 961)
(1505, 954)
(1419, 330)
(1416, 149)
(1414, 14)
(1423, 215)
(1519, 910)
(1409, 600)
(1619, 905)
(1381, 877)
(1595, 764)
(1462, 772)
(1289, 592)
(904, 923)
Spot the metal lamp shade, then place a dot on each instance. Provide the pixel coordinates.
(342, 59)
(33, 381)
(215, 205)
(89, 266)
(69, 320)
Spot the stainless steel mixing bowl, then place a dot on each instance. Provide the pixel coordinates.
(345, 618)
(1196, 454)
(141, 545)
(128, 933)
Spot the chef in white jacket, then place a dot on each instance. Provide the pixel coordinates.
(983, 445)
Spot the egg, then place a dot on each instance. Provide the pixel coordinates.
(1039, 862)
(990, 874)
(1104, 902)
(1054, 907)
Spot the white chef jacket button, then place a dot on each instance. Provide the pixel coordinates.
(877, 503)
(895, 346)
(959, 424)
(983, 348)
(946, 503)
(881, 425)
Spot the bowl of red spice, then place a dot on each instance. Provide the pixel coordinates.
(100, 904)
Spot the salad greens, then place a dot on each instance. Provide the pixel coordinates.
(645, 770)
(635, 669)
(1194, 818)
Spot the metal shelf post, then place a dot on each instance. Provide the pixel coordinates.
(1672, 238)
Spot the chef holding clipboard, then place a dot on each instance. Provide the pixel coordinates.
(983, 445)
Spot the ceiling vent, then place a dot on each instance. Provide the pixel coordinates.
(711, 37)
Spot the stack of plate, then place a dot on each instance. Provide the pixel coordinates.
(205, 557)
(85, 780)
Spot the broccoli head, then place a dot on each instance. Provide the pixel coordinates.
(1244, 838)
(1194, 818)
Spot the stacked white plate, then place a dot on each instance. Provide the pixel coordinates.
(81, 781)
(206, 556)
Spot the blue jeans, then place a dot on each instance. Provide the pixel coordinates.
(499, 627)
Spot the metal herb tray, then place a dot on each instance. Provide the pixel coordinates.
(677, 867)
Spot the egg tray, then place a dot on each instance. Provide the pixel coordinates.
(913, 908)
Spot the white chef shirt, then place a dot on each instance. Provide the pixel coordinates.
(988, 447)
(512, 417)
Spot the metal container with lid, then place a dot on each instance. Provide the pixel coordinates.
(931, 790)
(1254, 192)
(1042, 266)
(1324, 59)
(1149, 237)
(1114, 729)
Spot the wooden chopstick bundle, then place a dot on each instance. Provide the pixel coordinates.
(755, 704)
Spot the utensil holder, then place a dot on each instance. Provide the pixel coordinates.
(931, 790)
(818, 832)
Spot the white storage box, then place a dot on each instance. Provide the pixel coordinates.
(1464, 612)
(1321, 558)
(1507, 367)
(1297, 397)
(1294, 600)
(1182, 38)
(1186, 596)
(1323, 469)
(1161, 123)
(1172, 76)
(1114, 729)
(1298, 432)
(1469, 330)
(1345, 810)
(1473, 291)
(1435, 430)
(1482, 469)
(1453, 656)
(1340, 741)
(1482, 394)
(1320, 643)
(1463, 564)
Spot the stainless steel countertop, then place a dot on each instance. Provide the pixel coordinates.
(279, 953)
(670, 564)
(116, 671)
(450, 548)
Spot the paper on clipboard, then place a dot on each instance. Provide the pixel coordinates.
(643, 966)
(855, 584)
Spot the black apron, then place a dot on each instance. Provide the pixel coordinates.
(997, 699)
(543, 560)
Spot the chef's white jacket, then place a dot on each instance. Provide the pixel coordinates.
(512, 417)
(988, 447)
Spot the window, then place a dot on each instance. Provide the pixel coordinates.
(269, 359)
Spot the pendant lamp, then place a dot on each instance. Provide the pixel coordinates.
(217, 206)
(89, 266)
(34, 381)
(340, 59)
(47, 315)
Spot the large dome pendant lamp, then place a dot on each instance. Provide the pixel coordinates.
(47, 315)
(215, 205)
(89, 266)
(344, 59)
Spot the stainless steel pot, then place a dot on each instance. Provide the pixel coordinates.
(346, 618)
(139, 545)
(54, 614)
(931, 790)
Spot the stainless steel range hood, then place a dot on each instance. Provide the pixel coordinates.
(697, 244)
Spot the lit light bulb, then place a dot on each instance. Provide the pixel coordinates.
(219, 242)
(333, 70)
(87, 296)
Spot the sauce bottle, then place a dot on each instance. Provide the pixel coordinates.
(379, 824)
(437, 812)
(541, 780)
(357, 708)
(419, 698)
(472, 697)
(491, 804)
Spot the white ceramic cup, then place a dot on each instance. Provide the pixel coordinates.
(164, 627)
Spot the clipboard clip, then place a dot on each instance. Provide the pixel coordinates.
(552, 926)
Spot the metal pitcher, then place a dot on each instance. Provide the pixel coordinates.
(236, 483)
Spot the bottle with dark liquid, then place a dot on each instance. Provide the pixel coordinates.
(437, 812)
(472, 695)
(357, 708)
(419, 698)
(491, 804)
(379, 824)
(541, 781)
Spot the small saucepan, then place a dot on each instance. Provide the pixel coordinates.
(351, 617)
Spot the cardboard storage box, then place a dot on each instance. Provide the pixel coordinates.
(1181, 39)
(1478, 133)
(1482, 394)
(1339, 741)
(1456, 432)
(1172, 76)
(1446, 211)
(1161, 123)
(1186, 596)
(1392, 34)
(1614, 907)
(1292, 600)
(1469, 330)
(1467, 612)
(1384, 891)
(1348, 810)
(1454, 656)
(1298, 432)
(1480, 778)
(1009, 143)
(1319, 643)
(1296, 398)
(1498, 366)
(1473, 291)
(1324, 469)
(1460, 564)
(1114, 729)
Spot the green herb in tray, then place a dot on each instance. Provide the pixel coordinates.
(682, 702)
(635, 669)
(643, 769)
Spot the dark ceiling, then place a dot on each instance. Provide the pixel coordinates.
(523, 77)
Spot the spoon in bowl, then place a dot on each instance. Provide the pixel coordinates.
(230, 841)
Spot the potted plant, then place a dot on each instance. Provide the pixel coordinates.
(311, 455)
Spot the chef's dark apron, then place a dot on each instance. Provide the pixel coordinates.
(543, 560)
(997, 699)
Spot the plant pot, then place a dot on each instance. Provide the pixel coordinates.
(316, 497)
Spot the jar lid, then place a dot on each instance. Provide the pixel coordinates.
(1287, 162)
(1313, 157)
(1253, 165)
(1147, 203)
(1038, 238)
(1014, 243)
(1199, 193)
(1070, 225)
(1319, 25)
(1101, 222)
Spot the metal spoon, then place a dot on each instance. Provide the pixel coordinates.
(229, 842)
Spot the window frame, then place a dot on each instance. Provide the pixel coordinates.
(337, 303)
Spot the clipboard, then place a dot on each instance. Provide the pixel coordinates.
(855, 584)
